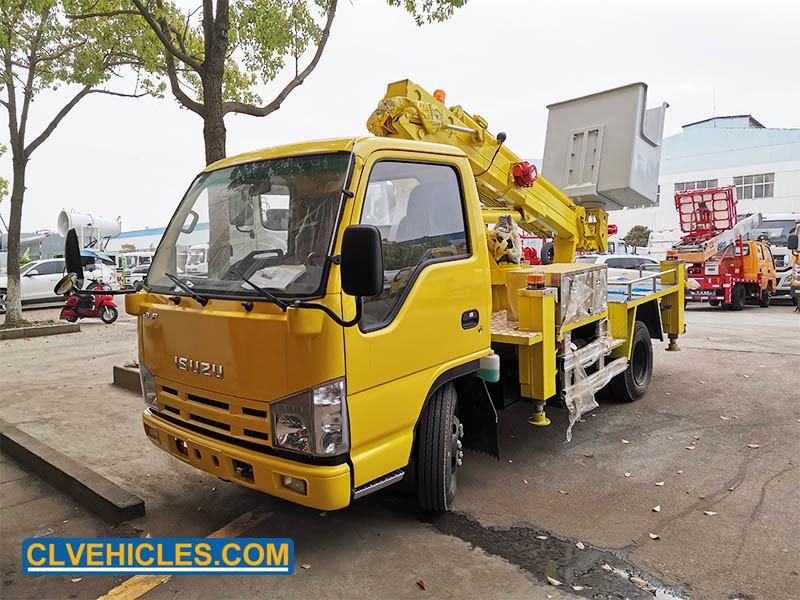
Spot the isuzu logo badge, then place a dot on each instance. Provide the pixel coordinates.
(198, 367)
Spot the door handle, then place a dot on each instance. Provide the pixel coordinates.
(470, 319)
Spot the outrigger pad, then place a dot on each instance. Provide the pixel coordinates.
(478, 416)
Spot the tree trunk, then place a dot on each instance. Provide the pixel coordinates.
(14, 293)
(214, 133)
(219, 245)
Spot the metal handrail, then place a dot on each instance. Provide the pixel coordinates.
(654, 276)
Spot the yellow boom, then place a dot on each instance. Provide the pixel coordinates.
(409, 112)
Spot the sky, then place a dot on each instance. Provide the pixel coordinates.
(502, 59)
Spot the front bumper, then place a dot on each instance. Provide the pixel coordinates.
(784, 286)
(327, 487)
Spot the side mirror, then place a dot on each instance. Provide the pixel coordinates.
(791, 243)
(31, 272)
(72, 255)
(240, 213)
(65, 284)
(362, 261)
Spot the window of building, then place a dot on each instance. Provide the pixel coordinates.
(418, 209)
(700, 184)
(755, 186)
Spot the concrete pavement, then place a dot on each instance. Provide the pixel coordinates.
(728, 387)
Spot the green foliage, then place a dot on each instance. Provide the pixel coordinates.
(51, 39)
(639, 235)
(428, 11)
(243, 44)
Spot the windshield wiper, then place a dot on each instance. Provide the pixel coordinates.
(202, 300)
(264, 293)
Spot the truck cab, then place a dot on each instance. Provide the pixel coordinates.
(283, 398)
(775, 228)
(794, 247)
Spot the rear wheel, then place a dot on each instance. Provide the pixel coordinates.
(70, 317)
(632, 384)
(738, 297)
(439, 453)
(766, 298)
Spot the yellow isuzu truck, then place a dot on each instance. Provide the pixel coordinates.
(364, 313)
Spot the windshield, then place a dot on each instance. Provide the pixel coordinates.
(270, 221)
(777, 232)
(585, 259)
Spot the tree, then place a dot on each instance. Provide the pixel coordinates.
(639, 235)
(217, 55)
(41, 50)
(127, 248)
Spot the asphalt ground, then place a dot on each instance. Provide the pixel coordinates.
(733, 385)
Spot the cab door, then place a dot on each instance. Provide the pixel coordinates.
(767, 270)
(435, 309)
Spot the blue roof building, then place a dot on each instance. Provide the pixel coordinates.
(762, 162)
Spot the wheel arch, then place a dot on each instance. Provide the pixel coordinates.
(475, 408)
(649, 313)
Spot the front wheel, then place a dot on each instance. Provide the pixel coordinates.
(69, 316)
(439, 453)
(632, 383)
(108, 315)
(713, 302)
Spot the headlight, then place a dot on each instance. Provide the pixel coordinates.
(148, 386)
(313, 421)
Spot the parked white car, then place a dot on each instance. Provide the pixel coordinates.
(37, 279)
(620, 261)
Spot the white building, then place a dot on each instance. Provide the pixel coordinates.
(763, 163)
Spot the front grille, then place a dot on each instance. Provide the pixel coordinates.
(212, 422)
(244, 420)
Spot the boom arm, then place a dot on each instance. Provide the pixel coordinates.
(409, 112)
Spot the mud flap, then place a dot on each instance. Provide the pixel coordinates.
(478, 416)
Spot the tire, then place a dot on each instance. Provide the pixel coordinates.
(108, 315)
(438, 451)
(70, 317)
(548, 253)
(766, 298)
(632, 384)
(713, 302)
(738, 297)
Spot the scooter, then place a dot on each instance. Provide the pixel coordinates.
(93, 306)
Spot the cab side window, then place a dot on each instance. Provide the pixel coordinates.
(419, 211)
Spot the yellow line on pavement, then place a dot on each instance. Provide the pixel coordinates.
(139, 585)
